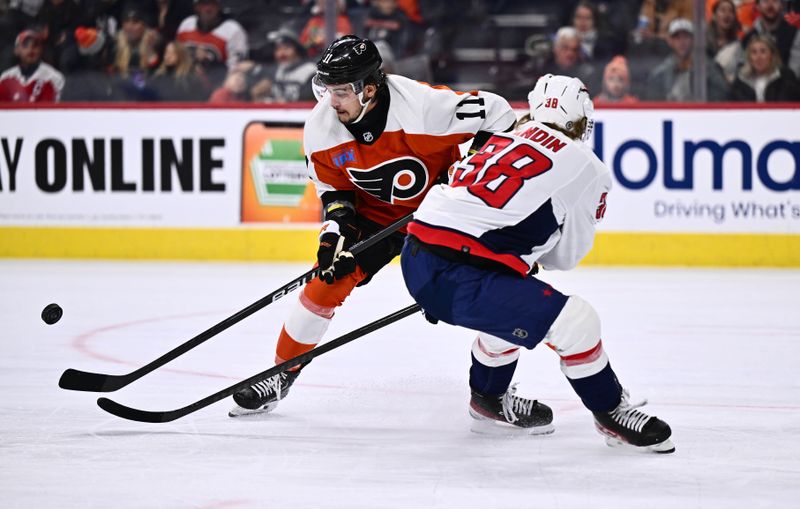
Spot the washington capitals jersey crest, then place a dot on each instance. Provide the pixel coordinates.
(392, 171)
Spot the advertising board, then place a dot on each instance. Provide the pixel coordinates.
(728, 176)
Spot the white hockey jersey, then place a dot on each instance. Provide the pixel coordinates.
(390, 168)
(530, 196)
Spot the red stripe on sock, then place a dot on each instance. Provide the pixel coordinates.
(323, 311)
(584, 357)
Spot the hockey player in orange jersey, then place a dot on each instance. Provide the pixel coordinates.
(375, 145)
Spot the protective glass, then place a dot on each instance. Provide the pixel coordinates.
(344, 93)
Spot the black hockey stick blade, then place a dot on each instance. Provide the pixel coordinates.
(76, 380)
(134, 414)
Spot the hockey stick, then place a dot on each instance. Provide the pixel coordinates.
(77, 380)
(135, 414)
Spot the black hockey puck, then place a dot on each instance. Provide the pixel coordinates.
(52, 313)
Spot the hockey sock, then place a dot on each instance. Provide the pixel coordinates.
(490, 380)
(600, 392)
(288, 348)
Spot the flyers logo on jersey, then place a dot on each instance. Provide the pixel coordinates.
(403, 178)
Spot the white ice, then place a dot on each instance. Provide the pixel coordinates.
(382, 422)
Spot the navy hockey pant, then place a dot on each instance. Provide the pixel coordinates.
(518, 310)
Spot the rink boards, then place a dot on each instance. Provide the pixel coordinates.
(707, 187)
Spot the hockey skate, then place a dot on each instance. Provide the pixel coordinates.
(508, 414)
(262, 397)
(625, 426)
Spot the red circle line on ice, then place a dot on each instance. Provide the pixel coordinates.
(83, 342)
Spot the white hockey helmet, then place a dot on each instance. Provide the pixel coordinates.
(562, 101)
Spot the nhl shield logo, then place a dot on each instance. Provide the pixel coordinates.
(368, 137)
(520, 333)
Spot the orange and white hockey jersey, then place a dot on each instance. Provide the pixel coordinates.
(392, 170)
(226, 42)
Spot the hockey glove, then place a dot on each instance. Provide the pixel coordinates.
(338, 233)
(334, 262)
(432, 319)
(480, 139)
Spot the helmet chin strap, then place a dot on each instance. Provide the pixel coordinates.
(363, 107)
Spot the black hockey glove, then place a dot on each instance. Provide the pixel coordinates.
(430, 317)
(338, 233)
(480, 139)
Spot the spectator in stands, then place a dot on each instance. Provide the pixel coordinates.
(58, 19)
(648, 43)
(215, 41)
(656, 15)
(386, 22)
(175, 79)
(723, 43)
(31, 80)
(746, 14)
(234, 88)
(137, 45)
(291, 80)
(771, 21)
(90, 76)
(136, 56)
(596, 44)
(616, 83)
(313, 35)
(617, 18)
(672, 79)
(566, 59)
(762, 78)
(562, 56)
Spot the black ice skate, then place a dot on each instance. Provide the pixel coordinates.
(627, 426)
(508, 414)
(262, 397)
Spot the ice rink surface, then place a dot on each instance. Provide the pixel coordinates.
(382, 422)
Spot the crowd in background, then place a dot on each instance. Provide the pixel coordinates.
(264, 51)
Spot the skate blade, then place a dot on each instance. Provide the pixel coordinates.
(238, 411)
(483, 426)
(665, 447)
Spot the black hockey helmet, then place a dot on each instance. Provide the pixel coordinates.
(350, 59)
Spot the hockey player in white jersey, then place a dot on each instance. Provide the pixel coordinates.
(528, 197)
